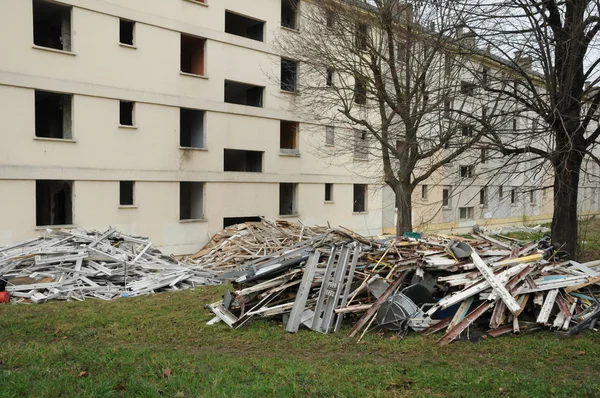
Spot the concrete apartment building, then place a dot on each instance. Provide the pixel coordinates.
(163, 118)
(174, 118)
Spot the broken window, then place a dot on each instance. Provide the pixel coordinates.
(126, 113)
(465, 213)
(51, 25)
(288, 137)
(289, 74)
(424, 192)
(191, 200)
(244, 26)
(329, 135)
(330, 72)
(360, 36)
(328, 192)
(446, 196)
(359, 198)
(229, 221)
(361, 145)
(126, 193)
(243, 94)
(289, 14)
(466, 171)
(192, 55)
(483, 196)
(360, 90)
(53, 202)
(513, 196)
(467, 88)
(241, 160)
(53, 115)
(191, 128)
(287, 199)
(126, 32)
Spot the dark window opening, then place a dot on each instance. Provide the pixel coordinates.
(243, 26)
(192, 55)
(289, 14)
(328, 192)
(361, 145)
(287, 199)
(359, 198)
(484, 77)
(467, 88)
(53, 115)
(289, 74)
(513, 196)
(424, 192)
(330, 18)
(465, 213)
(191, 128)
(500, 192)
(466, 130)
(447, 106)
(53, 202)
(514, 124)
(531, 196)
(446, 197)
(482, 196)
(288, 137)
(402, 50)
(360, 36)
(126, 113)
(360, 90)
(126, 193)
(243, 94)
(329, 80)
(241, 160)
(229, 221)
(466, 171)
(51, 25)
(191, 200)
(126, 32)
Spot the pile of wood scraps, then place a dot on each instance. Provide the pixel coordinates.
(78, 264)
(427, 285)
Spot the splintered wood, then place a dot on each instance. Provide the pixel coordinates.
(78, 264)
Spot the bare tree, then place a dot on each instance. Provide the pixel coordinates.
(384, 73)
(548, 50)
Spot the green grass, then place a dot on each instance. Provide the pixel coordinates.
(124, 346)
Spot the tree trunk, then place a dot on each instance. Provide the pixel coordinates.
(404, 210)
(566, 184)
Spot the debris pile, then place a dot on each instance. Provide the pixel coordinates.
(76, 265)
(425, 284)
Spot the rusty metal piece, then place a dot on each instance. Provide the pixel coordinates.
(497, 315)
(438, 326)
(500, 331)
(462, 325)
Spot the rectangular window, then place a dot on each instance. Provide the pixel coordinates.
(287, 199)
(330, 72)
(467, 88)
(360, 198)
(446, 197)
(466, 130)
(328, 192)
(361, 145)
(447, 65)
(329, 135)
(192, 55)
(424, 192)
(53, 202)
(191, 200)
(53, 115)
(361, 36)
(514, 124)
(289, 75)
(466, 171)
(244, 26)
(243, 94)
(484, 113)
(483, 157)
(191, 128)
(126, 193)
(485, 77)
(126, 32)
(447, 106)
(241, 160)
(229, 221)
(360, 90)
(126, 110)
(532, 196)
(465, 213)
(330, 18)
(483, 196)
(500, 192)
(289, 14)
(513, 196)
(51, 25)
(402, 49)
(288, 137)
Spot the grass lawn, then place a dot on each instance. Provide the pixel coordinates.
(160, 346)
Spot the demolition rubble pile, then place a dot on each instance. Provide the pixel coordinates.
(425, 285)
(78, 264)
